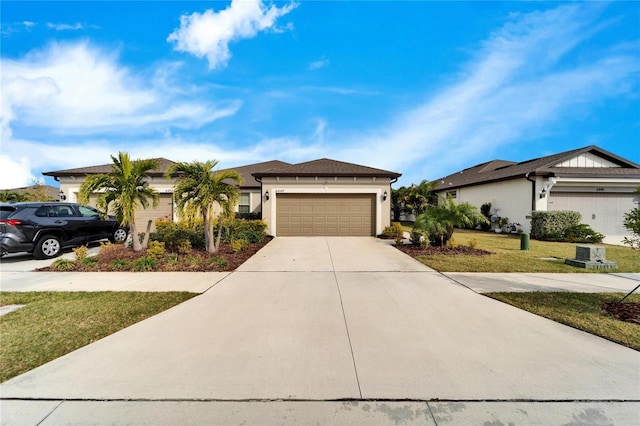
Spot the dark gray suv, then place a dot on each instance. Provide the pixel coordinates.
(45, 228)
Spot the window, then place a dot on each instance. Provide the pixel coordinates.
(245, 203)
(452, 194)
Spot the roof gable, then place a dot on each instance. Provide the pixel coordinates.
(589, 161)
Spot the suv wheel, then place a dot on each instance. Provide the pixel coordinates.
(119, 236)
(47, 247)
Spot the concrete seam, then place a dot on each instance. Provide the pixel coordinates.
(50, 413)
(458, 282)
(435, 422)
(344, 317)
(217, 282)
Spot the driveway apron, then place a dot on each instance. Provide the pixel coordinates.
(339, 318)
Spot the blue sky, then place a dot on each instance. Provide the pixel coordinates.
(420, 88)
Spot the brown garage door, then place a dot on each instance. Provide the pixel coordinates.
(325, 215)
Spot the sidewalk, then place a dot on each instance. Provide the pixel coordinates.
(340, 345)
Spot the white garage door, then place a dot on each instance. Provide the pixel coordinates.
(604, 212)
(325, 215)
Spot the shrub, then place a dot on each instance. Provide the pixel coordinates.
(632, 223)
(253, 231)
(394, 231)
(172, 234)
(485, 209)
(451, 243)
(553, 225)
(473, 243)
(184, 247)
(172, 259)
(238, 245)
(416, 238)
(582, 233)
(144, 264)
(80, 253)
(220, 262)
(119, 265)
(248, 216)
(89, 261)
(63, 265)
(156, 249)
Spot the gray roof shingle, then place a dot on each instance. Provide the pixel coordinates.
(326, 167)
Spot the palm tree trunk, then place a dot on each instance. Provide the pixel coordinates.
(135, 239)
(145, 240)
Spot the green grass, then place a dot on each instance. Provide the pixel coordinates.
(55, 323)
(542, 256)
(579, 310)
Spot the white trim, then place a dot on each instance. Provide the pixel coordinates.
(273, 197)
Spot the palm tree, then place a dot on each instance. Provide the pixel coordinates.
(438, 222)
(198, 188)
(127, 188)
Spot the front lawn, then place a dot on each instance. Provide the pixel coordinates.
(579, 310)
(55, 323)
(506, 256)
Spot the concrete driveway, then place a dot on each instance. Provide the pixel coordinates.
(319, 319)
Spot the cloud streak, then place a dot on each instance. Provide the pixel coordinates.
(209, 34)
(516, 85)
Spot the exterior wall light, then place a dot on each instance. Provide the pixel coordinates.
(62, 196)
(385, 195)
(266, 195)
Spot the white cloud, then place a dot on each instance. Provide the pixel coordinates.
(65, 27)
(16, 172)
(77, 88)
(320, 63)
(208, 34)
(516, 86)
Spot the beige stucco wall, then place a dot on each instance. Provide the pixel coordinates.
(510, 199)
(322, 185)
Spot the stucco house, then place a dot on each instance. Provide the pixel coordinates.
(596, 183)
(320, 197)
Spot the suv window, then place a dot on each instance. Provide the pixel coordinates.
(44, 211)
(63, 211)
(6, 211)
(87, 211)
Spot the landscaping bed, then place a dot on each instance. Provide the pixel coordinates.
(414, 250)
(124, 259)
(629, 312)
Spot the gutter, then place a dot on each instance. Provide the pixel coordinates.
(533, 192)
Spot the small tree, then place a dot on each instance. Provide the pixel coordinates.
(198, 188)
(123, 191)
(439, 222)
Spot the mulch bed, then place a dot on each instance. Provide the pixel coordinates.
(112, 259)
(625, 311)
(412, 250)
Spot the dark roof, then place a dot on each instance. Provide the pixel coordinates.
(163, 166)
(499, 170)
(50, 191)
(326, 167)
(248, 181)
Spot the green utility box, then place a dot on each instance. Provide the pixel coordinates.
(524, 241)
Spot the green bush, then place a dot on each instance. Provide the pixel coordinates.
(220, 262)
(582, 233)
(119, 265)
(63, 264)
(144, 264)
(253, 231)
(632, 223)
(394, 231)
(156, 249)
(89, 261)
(173, 234)
(238, 245)
(553, 225)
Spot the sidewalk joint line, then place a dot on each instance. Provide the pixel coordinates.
(344, 317)
(50, 413)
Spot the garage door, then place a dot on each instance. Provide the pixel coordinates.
(163, 209)
(325, 215)
(604, 212)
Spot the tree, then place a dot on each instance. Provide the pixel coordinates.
(632, 224)
(198, 188)
(413, 199)
(123, 191)
(438, 222)
(11, 196)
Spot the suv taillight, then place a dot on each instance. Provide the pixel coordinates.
(10, 222)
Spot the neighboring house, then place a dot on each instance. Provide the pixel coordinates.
(42, 192)
(321, 197)
(596, 183)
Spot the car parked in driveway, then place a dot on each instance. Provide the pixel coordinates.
(45, 228)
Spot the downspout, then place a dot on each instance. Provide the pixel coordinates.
(533, 192)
